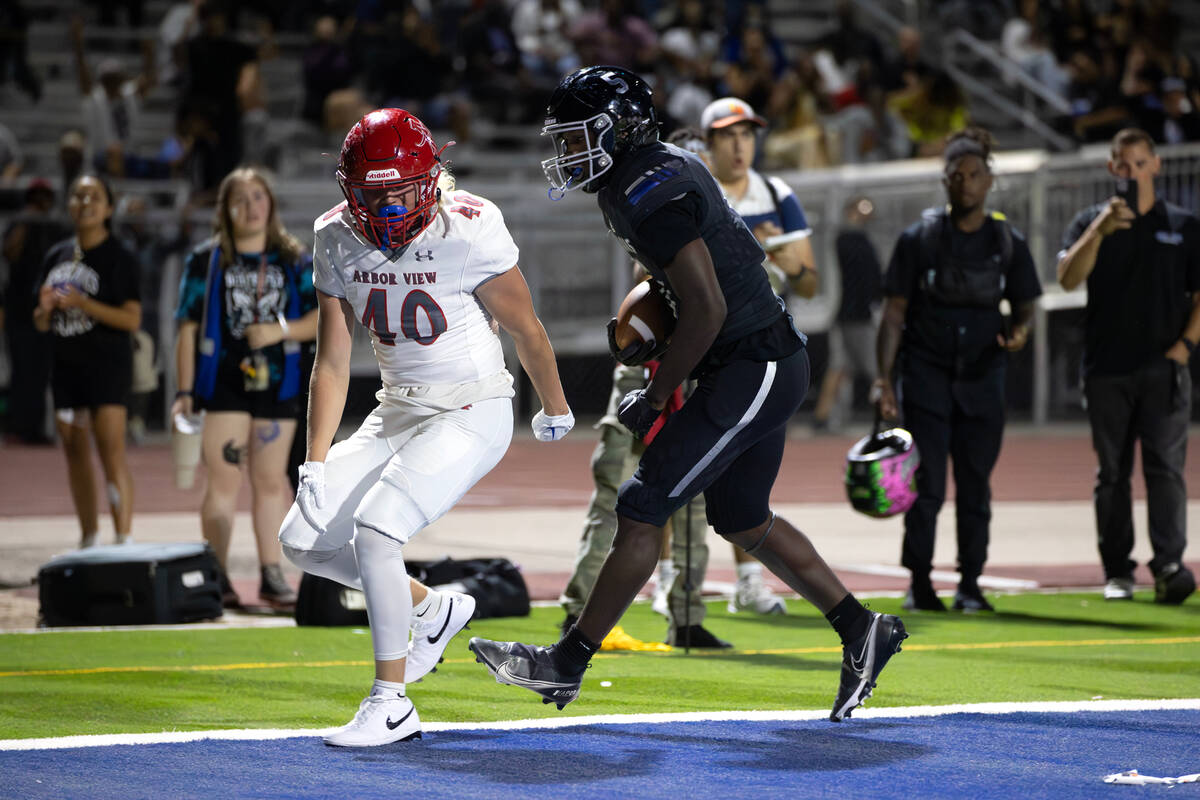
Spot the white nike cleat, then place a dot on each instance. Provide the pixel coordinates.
(429, 639)
(381, 719)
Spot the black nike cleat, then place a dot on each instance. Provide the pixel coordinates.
(862, 661)
(531, 668)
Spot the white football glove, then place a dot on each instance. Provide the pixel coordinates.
(310, 494)
(550, 429)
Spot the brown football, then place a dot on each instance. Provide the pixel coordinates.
(644, 314)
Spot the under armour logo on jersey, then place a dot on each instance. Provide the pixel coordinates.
(423, 255)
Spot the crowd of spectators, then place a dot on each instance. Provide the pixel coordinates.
(844, 95)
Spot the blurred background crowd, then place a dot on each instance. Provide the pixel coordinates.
(165, 98)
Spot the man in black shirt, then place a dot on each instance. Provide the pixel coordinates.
(942, 317)
(1142, 267)
(727, 440)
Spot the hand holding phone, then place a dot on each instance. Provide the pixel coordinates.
(1127, 190)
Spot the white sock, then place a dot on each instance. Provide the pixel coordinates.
(430, 606)
(388, 688)
(748, 569)
(666, 572)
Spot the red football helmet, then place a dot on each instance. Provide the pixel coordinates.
(389, 160)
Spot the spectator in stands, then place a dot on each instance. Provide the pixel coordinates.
(499, 84)
(1181, 121)
(406, 66)
(88, 298)
(1025, 40)
(932, 110)
(771, 211)
(909, 67)
(540, 27)
(1141, 266)
(852, 336)
(753, 61)
(690, 46)
(328, 66)
(71, 147)
(26, 240)
(614, 34)
(246, 302)
(798, 104)
(14, 49)
(868, 132)
(1097, 108)
(112, 106)
(222, 81)
(944, 342)
(851, 45)
(178, 26)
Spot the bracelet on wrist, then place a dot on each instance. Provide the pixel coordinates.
(183, 393)
(283, 326)
(1189, 344)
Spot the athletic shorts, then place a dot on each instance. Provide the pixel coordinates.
(229, 394)
(79, 387)
(727, 441)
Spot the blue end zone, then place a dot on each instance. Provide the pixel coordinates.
(1022, 755)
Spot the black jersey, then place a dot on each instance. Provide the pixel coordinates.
(654, 177)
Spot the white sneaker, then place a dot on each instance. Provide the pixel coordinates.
(429, 639)
(1118, 589)
(659, 598)
(380, 720)
(752, 594)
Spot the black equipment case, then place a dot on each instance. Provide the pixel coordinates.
(130, 584)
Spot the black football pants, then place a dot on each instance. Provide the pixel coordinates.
(962, 419)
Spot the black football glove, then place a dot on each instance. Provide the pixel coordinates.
(637, 414)
(636, 354)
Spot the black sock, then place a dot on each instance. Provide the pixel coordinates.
(573, 652)
(849, 618)
(968, 584)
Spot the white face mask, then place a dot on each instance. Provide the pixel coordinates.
(568, 171)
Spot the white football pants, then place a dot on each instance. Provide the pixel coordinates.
(399, 472)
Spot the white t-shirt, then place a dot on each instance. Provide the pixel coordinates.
(427, 326)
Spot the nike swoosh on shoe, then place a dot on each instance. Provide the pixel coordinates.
(555, 688)
(434, 639)
(393, 725)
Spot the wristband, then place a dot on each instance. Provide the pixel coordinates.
(283, 326)
(183, 393)
(1188, 343)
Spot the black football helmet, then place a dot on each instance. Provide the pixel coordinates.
(596, 115)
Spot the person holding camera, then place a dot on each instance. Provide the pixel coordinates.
(1140, 258)
(943, 340)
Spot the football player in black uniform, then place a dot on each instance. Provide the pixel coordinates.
(735, 337)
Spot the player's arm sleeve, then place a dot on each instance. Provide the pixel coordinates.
(669, 227)
(325, 276)
(791, 213)
(493, 251)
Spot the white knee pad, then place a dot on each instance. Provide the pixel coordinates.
(389, 594)
(295, 532)
(336, 565)
(391, 510)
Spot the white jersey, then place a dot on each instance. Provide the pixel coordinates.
(427, 326)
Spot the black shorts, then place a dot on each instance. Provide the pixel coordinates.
(727, 441)
(230, 394)
(75, 386)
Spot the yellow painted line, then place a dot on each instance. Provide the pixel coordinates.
(946, 647)
(180, 668)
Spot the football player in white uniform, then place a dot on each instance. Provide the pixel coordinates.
(426, 270)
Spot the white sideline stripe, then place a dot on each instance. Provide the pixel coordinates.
(1044, 707)
(764, 389)
(989, 581)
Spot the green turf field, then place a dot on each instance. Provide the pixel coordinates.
(1071, 647)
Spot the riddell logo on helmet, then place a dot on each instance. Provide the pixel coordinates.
(383, 174)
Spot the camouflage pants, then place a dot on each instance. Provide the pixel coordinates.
(613, 461)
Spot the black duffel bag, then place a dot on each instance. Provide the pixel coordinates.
(495, 583)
